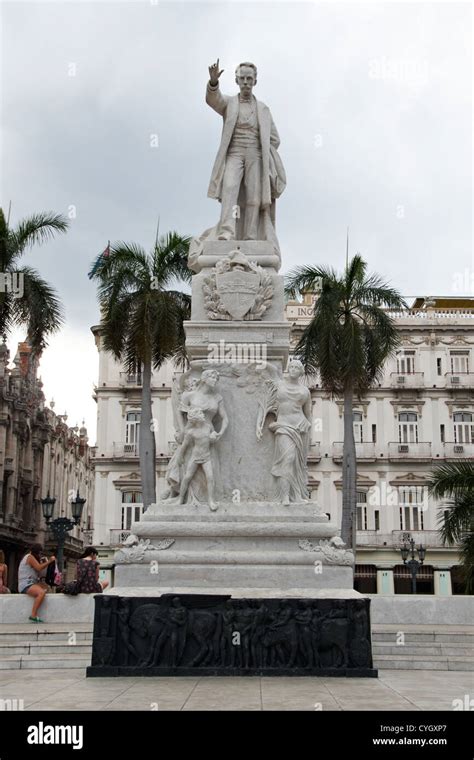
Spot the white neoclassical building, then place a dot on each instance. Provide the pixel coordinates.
(421, 413)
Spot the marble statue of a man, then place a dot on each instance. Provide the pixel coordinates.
(248, 174)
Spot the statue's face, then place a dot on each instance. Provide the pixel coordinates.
(246, 80)
(210, 378)
(294, 370)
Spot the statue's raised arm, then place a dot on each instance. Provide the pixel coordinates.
(214, 73)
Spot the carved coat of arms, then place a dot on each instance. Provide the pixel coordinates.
(237, 289)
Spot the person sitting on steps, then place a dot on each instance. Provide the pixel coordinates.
(30, 581)
(3, 575)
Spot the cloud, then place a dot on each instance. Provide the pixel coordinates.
(372, 103)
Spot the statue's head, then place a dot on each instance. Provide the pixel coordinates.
(209, 377)
(246, 78)
(295, 368)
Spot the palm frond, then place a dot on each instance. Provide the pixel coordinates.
(452, 479)
(35, 230)
(39, 309)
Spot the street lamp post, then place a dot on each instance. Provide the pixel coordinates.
(412, 563)
(61, 526)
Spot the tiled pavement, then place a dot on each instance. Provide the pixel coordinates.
(393, 690)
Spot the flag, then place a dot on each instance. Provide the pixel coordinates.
(105, 253)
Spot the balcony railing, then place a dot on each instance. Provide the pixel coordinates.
(124, 450)
(117, 536)
(365, 450)
(130, 378)
(434, 316)
(396, 539)
(409, 450)
(458, 450)
(407, 379)
(314, 451)
(459, 379)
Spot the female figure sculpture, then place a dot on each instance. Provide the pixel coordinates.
(290, 401)
(201, 394)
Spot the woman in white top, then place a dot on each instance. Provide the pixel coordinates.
(29, 580)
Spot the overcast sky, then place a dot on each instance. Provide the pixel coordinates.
(373, 103)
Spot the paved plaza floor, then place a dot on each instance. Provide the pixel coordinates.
(393, 690)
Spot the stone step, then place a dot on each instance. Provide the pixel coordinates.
(423, 662)
(45, 647)
(34, 662)
(428, 638)
(422, 649)
(24, 636)
(60, 632)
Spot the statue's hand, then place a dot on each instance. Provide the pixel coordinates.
(214, 73)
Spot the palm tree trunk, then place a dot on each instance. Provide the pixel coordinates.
(147, 441)
(349, 475)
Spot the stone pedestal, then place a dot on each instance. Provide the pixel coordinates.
(251, 539)
(253, 556)
(241, 546)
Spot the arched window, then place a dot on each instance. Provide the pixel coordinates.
(132, 508)
(463, 427)
(132, 431)
(408, 427)
(358, 427)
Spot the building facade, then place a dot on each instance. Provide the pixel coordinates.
(421, 413)
(39, 453)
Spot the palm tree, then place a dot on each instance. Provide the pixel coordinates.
(454, 483)
(142, 322)
(38, 307)
(347, 341)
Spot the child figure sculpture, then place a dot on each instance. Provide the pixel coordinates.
(200, 435)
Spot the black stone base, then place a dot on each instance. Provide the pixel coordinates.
(201, 635)
(107, 670)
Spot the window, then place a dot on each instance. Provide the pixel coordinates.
(441, 433)
(438, 366)
(463, 427)
(374, 433)
(358, 427)
(459, 362)
(458, 580)
(365, 579)
(132, 431)
(408, 427)
(361, 510)
(411, 505)
(405, 362)
(377, 519)
(403, 583)
(132, 508)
